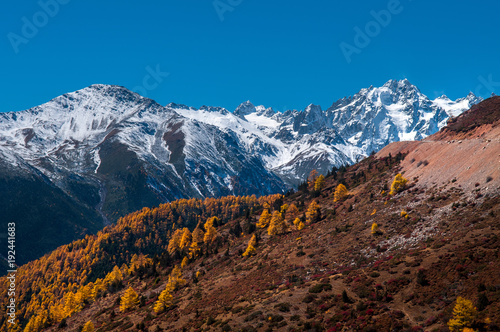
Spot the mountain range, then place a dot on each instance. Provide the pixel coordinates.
(86, 158)
(407, 239)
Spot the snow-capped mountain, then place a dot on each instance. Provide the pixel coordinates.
(88, 157)
(293, 143)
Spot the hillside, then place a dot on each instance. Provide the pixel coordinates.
(436, 239)
(102, 152)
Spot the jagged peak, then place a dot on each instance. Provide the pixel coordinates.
(214, 109)
(245, 108)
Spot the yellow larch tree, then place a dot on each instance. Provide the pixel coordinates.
(129, 300)
(311, 179)
(277, 224)
(175, 278)
(299, 224)
(319, 183)
(398, 184)
(464, 314)
(291, 212)
(185, 262)
(250, 251)
(264, 219)
(185, 239)
(175, 241)
(340, 193)
(211, 232)
(374, 228)
(313, 212)
(164, 301)
(197, 235)
(88, 327)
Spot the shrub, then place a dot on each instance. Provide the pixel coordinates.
(318, 288)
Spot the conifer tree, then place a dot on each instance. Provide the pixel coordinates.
(313, 212)
(398, 184)
(175, 278)
(340, 193)
(129, 300)
(185, 239)
(185, 262)
(374, 228)
(194, 250)
(175, 241)
(319, 183)
(311, 179)
(277, 224)
(464, 314)
(164, 301)
(264, 219)
(211, 232)
(88, 327)
(250, 251)
(291, 212)
(198, 235)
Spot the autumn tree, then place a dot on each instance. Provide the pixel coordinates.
(211, 232)
(185, 239)
(250, 251)
(129, 300)
(291, 212)
(313, 213)
(319, 183)
(265, 219)
(340, 193)
(185, 262)
(464, 314)
(175, 241)
(398, 184)
(311, 179)
(194, 250)
(277, 224)
(164, 301)
(298, 224)
(175, 278)
(197, 235)
(88, 327)
(374, 228)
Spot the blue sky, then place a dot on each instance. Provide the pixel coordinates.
(284, 54)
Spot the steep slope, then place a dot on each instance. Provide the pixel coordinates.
(110, 151)
(432, 244)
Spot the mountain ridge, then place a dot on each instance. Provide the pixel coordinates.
(112, 151)
(372, 259)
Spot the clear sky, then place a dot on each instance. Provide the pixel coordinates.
(284, 54)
